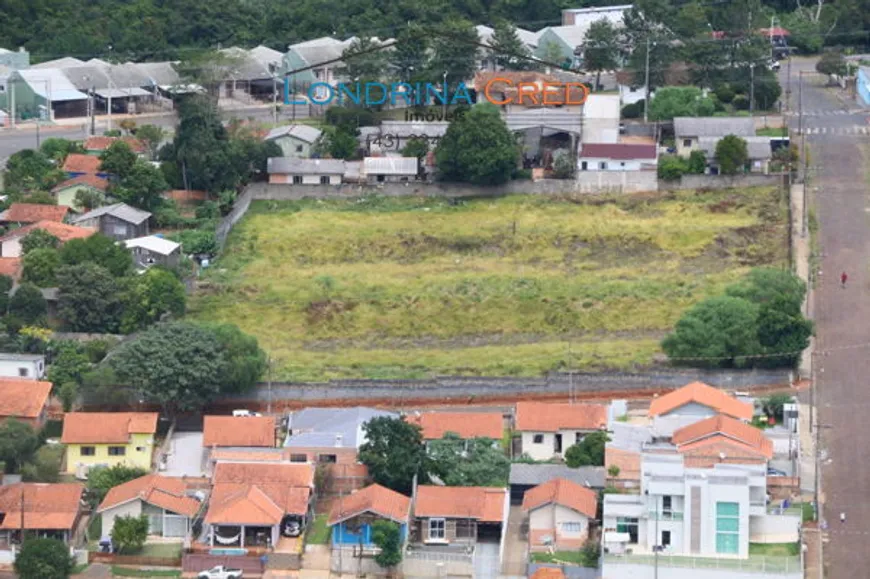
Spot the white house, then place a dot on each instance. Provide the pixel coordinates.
(692, 403)
(30, 366)
(618, 157)
(559, 512)
(548, 430)
(167, 502)
(291, 171)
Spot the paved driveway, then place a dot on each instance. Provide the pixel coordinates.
(515, 557)
(841, 361)
(486, 565)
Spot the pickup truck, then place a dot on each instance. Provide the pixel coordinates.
(220, 572)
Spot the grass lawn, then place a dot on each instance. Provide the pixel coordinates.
(165, 550)
(79, 568)
(569, 557)
(414, 287)
(775, 549)
(318, 532)
(771, 132)
(131, 572)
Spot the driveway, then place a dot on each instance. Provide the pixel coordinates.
(841, 361)
(516, 545)
(185, 456)
(486, 565)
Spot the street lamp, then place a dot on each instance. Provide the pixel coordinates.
(444, 101)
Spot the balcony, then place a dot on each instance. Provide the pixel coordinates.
(666, 516)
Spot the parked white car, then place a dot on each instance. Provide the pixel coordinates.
(220, 572)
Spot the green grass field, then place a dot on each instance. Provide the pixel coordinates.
(412, 287)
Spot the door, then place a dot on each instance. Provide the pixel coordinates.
(666, 539)
(557, 444)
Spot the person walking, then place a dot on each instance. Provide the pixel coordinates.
(843, 279)
(842, 517)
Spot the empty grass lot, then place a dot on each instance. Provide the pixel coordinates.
(413, 287)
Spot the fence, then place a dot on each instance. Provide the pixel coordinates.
(114, 559)
(721, 182)
(239, 209)
(753, 565)
(473, 388)
(195, 562)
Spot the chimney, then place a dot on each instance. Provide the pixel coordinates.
(338, 439)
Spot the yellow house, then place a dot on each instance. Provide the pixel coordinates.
(107, 439)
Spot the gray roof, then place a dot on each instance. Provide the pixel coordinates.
(756, 147)
(156, 73)
(714, 126)
(21, 357)
(87, 77)
(305, 133)
(320, 50)
(628, 436)
(293, 166)
(331, 427)
(390, 165)
(535, 474)
(405, 129)
(64, 62)
(120, 210)
(51, 84)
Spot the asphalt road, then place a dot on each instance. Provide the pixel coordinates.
(838, 180)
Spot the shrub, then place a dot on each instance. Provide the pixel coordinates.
(697, 163)
(741, 102)
(671, 168)
(725, 93)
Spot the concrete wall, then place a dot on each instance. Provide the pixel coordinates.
(594, 164)
(624, 570)
(721, 182)
(775, 529)
(131, 509)
(424, 565)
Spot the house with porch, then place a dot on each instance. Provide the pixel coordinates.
(353, 516)
(458, 515)
(108, 438)
(253, 504)
(167, 502)
(25, 400)
(547, 430)
(559, 514)
(42, 509)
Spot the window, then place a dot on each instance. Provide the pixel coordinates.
(727, 528)
(622, 164)
(687, 142)
(117, 451)
(324, 180)
(572, 527)
(299, 148)
(298, 458)
(538, 439)
(602, 165)
(327, 458)
(140, 449)
(666, 539)
(437, 529)
(119, 229)
(88, 451)
(380, 179)
(627, 525)
(578, 437)
(297, 179)
(666, 504)
(22, 372)
(584, 165)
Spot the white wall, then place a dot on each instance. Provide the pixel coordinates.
(593, 164)
(614, 570)
(315, 179)
(10, 369)
(11, 248)
(542, 450)
(132, 509)
(775, 529)
(545, 517)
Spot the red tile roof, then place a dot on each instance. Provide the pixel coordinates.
(721, 425)
(482, 503)
(250, 493)
(700, 393)
(77, 163)
(23, 398)
(106, 427)
(257, 431)
(548, 573)
(62, 231)
(618, 151)
(10, 266)
(161, 491)
(46, 506)
(719, 449)
(544, 417)
(626, 461)
(562, 492)
(89, 179)
(103, 143)
(33, 212)
(466, 424)
(373, 499)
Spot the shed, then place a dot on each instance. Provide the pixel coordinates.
(384, 169)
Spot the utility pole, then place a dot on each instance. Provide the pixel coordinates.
(93, 101)
(646, 83)
(570, 374)
(751, 88)
(22, 513)
(806, 182)
(269, 369)
(12, 104)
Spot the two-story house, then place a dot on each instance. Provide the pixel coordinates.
(107, 439)
(548, 430)
(691, 403)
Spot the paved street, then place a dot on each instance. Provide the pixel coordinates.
(839, 184)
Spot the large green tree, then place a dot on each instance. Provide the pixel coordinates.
(587, 452)
(477, 148)
(508, 50)
(118, 159)
(142, 187)
(100, 250)
(474, 462)
(38, 238)
(191, 371)
(454, 51)
(89, 298)
(28, 171)
(27, 304)
(680, 101)
(731, 155)
(39, 267)
(43, 559)
(246, 361)
(601, 48)
(151, 296)
(18, 442)
(394, 453)
(102, 479)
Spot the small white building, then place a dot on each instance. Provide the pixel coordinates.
(291, 171)
(390, 169)
(548, 430)
(153, 250)
(29, 366)
(618, 157)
